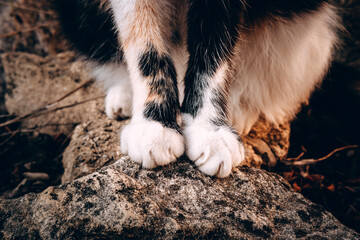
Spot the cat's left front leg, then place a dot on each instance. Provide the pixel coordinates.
(211, 142)
(153, 136)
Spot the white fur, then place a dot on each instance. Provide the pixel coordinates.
(277, 65)
(151, 144)
(274, 69)
(214, 150)
(178, 51)
(118, 102)
(116, 81)
(145, 141)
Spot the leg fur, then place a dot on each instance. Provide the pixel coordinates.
(286, 57)
(153, 136)
(210, 142)
(89, 27)
(245, 59)
(260, 58)
(117, 84)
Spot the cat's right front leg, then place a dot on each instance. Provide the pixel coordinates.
(153, 136)
(211, 142)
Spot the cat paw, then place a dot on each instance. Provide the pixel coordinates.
(214, 150)
(151, 144)
(118, 102)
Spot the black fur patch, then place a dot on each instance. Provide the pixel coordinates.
(213, 30)
(214, 27)
(195, 83)
(259, 9)
(220, 103)
(151, 64)
(163, 112)
(176, 37)
(89, 28)
(163, 85)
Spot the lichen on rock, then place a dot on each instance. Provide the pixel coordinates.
(177, 201)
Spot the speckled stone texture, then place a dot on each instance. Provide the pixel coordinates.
(102, 198)
(123, 201)
(95, 143)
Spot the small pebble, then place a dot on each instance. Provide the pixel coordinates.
(33, 176)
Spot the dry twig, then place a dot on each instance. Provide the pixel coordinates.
(71, 92)
(49, 107)
(5, 35)
(300, 155)
(12, 134)
(312, 161)
(42, 111)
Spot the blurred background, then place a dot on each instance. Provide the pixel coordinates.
(324, 157)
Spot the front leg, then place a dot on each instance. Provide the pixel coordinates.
(212, 32)
(153, 136)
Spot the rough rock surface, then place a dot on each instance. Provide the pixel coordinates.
(95, 143)
(28, 26)
(123, 201)
(33, 81)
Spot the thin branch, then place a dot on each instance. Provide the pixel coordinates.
(39, 127)
(71, 92)
(312, 161)
(6, 115)
(5, 35)
(9, 138)
(46, 107)
(296, 158)
(43, 111)
(62, 107)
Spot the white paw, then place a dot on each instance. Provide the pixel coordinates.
(214, 150)
(118, 102)
(151, 144)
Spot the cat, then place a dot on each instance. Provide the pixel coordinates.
(194, 75)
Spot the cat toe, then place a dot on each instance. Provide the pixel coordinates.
(118, 103)
(151, 144)
(214, 151)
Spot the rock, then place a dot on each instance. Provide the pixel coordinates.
(33, 81)
(95, 143)
(123, 201)
(104, 198)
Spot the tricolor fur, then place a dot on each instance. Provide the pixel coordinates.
(195, 74)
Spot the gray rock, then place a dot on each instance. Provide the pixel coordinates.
(94, 144)
(123, 201)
